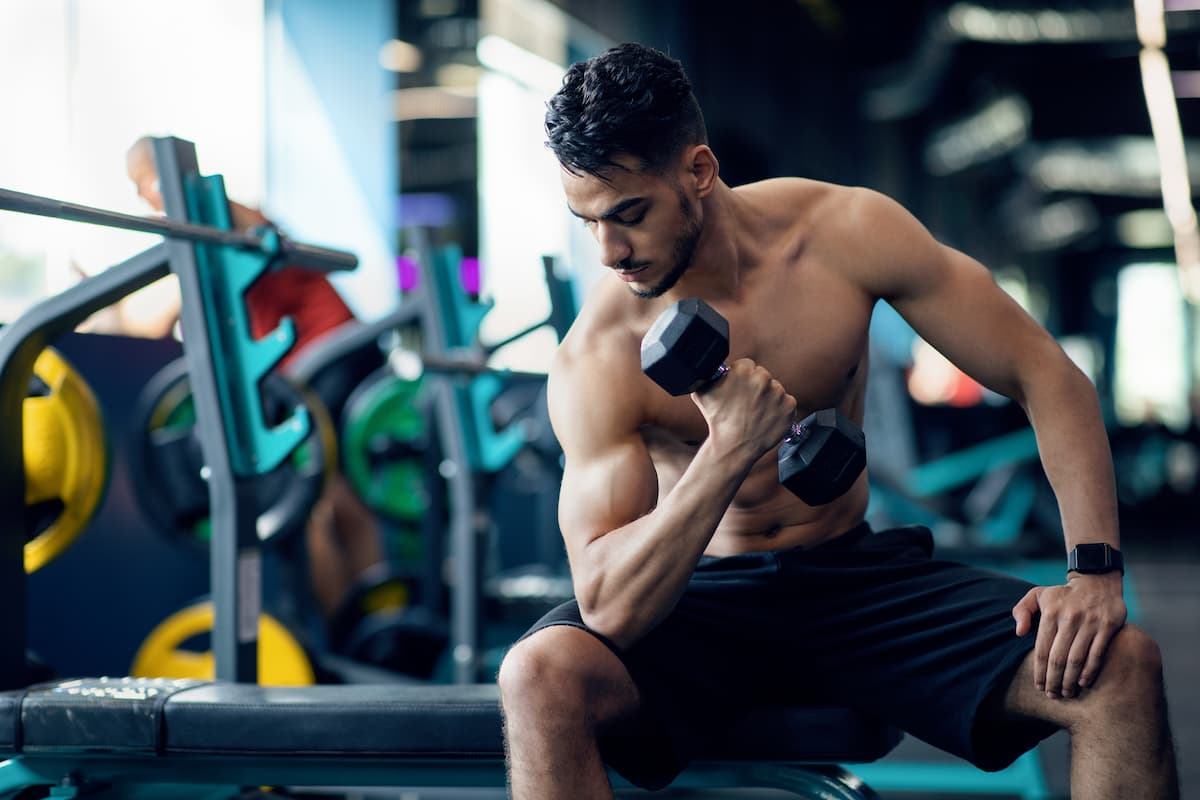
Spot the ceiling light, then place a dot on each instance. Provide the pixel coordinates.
(432, 102)
(400, 56)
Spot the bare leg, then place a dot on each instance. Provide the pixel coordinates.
(557, 688)
(326, 567)
(356, 527)
(343, 541)
(1120, 740)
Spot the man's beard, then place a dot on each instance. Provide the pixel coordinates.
(681, 253)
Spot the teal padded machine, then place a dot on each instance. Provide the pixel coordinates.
(125, 737)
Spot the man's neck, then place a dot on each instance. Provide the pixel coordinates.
(716, 264)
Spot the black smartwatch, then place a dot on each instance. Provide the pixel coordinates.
(1095, 559)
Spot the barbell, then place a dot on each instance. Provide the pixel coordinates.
(302, 255)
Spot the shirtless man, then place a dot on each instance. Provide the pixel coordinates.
(703, 586)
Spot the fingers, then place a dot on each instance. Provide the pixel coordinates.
(1072, 638)
(748, 410)
(770, 396)
(1077, 657)
(1041, 651)
(1080, 666)
(788, 400)
(1064, 638)
(1024, 610)
(759, 375)
(1095, 658)
(1066, 631)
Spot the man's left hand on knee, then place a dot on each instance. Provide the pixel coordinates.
(1078, 621)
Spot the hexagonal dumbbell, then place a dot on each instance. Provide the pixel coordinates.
(685, 350)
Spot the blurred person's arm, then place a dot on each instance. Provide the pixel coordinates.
(151, 311)
(246, 218)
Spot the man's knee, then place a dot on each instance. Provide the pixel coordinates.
(1130, 685)
(560, 670)
(529, 671)
(1133, 664)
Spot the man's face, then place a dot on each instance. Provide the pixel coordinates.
(144, 177)
(645, 225)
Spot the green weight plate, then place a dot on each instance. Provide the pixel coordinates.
(385, 435)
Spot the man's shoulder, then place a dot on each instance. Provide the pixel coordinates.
(605, 328)
(598, 366)
(809, 205)
(795, 190)
(808, 191)
(604, 339)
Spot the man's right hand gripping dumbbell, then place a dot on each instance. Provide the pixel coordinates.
(685, 350)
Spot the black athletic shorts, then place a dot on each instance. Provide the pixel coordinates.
(866, 620)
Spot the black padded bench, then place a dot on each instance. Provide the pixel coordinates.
(127, 732)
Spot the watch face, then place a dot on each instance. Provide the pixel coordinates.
(1096, 558)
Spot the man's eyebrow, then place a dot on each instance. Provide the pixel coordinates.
(616, 210)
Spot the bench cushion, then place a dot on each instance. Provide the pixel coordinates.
(128, 715)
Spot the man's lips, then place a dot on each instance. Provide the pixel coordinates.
(628, 275)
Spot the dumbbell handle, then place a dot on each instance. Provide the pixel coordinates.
(795, 432)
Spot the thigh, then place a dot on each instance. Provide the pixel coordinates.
(923, 643)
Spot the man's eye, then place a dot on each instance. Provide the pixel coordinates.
(633, 221)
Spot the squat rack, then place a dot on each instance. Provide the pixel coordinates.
(214, 266)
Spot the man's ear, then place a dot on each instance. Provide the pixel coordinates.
(701, 168)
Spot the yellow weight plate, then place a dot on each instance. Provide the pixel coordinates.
(65, 455)
(391, 595)
(281, 659)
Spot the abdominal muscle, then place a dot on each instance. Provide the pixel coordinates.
(764, 515)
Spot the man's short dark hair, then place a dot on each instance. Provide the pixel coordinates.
(630, 100)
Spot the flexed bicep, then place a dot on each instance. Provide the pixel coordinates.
(609, 479)
(603, 491)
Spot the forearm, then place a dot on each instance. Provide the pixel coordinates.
(1071, 438)
(245, 218)
(630, 578)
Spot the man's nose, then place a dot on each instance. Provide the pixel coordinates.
(614, 246)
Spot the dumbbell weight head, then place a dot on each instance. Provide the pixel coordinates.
(821, 463)
(686, 347)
